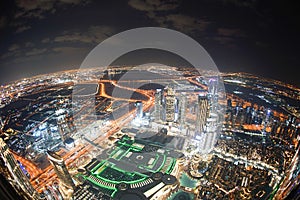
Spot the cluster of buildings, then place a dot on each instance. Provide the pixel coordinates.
(17, 177)
(194, 112)
(251, 119)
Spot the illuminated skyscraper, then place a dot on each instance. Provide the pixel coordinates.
(182, 107)
(157, 108)
(210, 134)
(176, 110)
(139, 109)
(1, 123)
(61, 170)
(170, 105)
(17, 174)
(64, 127)
(202, 113)
(213, 84)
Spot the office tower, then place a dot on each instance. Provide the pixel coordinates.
(248, 115)
(163, 109)
(157, 108)
(17, 174)
(213, 93)
(63, 127)
(209, 137)
(1, 122)
(61, 170)
(182, 107)
(201, 113)
(139, 109)
(170, 105)
(61, 131)
(267, 119)
(176, 110)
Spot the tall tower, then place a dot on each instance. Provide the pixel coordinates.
(1, 122)
(267, 119)
(202, 113)
(209, 137)
(213, 84)
(17, 174)
(62, 173)
(182, 107)
(139, 109)
(157, 108)
(170, 105)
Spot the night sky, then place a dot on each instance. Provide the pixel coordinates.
(42, 36)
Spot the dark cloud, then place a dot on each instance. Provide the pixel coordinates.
(23, 14)
(229, 32)
(29, 44)
(45, 40)
(69, 51)
(20, 29)
(185, 23)
(35, 52)
(34, 8)
(94, 35)
(38, 8)
(29, 5)
(171, 19)
(241, 3)
(223, 40)
(153, 5)
(11, 54)
(13, 47)
(16, 51)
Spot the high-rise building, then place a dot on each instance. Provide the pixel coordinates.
(182, 107)
(170, 105)
(1, 123)
(202, 113)
(16, 172)
(61, 170)
(157, 108)
(209, 136)
(163, 111)
(176, 110)
(213, 87)
(64, 126)
(139, 109)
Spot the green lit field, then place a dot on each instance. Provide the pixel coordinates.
(129, 162)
